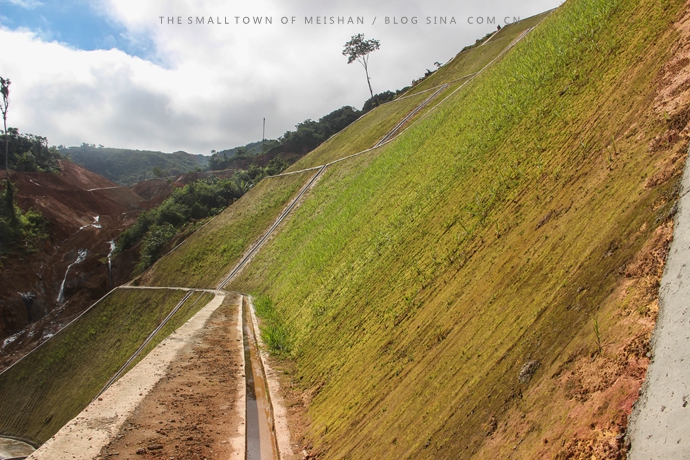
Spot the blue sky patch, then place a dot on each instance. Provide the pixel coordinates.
(73, 22)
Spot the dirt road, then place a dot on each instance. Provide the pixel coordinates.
(106, 419)
(193, 412)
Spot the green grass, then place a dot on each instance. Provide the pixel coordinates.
(274, 331)
(54, 383)
(195, 303)
(413, 283)
(474, 59)
(417, 282)
(210, 253)
(368, 130)
(362, 134)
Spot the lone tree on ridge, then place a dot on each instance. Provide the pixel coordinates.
(358, 49)
(5, 90)
(9, 193)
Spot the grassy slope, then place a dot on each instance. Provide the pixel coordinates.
(199, 263)
(195, 303)
(418, 282)
(474, 59)
(368, 130)
(210, 253)
(204, 259)
(54, 383)
(362, 134)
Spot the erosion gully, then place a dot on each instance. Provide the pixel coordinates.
(261, 439)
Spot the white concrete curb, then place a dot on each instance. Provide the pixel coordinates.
(660, 423)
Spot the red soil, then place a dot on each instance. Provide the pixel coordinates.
(70, 200)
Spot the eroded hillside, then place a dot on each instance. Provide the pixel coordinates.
(43, 288)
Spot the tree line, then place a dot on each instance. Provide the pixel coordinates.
(29, 153)
(308, 134)
(20, 230)
(188, 206)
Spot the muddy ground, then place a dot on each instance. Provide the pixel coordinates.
(192, 411)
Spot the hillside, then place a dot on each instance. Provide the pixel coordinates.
(420, 281)
(83, 212)
(127, 167)
(470, 270)
(85, 342)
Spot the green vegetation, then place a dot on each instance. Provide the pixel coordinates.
(4, 108)
(30, 153)
(212, 251)
(478, 42)
(308, 135)
(19, 231)
(251, 149)
(365, 132)
(419, 280)
(597, 335)
(127, 167)
(378, 99)
(413, 285)
(224, 159)
(186, 207)
(274, 330)
(474, 59)
(362, 134)
(191, 307)
(358, 49)
(55, 382)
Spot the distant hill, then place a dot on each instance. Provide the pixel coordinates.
(253, 148)
(127, 167)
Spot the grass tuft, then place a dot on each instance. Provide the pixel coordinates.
(274, 331)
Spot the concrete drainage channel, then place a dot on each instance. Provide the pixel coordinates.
(261, 443)
(14, 449)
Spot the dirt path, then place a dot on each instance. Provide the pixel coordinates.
(97, 425)
(196, 410)
(187, 399)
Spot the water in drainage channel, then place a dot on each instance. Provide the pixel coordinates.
(14, 449)
(261, 441)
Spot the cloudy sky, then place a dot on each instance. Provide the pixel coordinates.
(113, 72)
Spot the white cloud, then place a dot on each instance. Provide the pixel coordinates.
(26, 4)
(209, 86)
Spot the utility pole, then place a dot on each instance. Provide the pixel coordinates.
(263, 137)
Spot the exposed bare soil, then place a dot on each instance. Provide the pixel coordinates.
(296, 403)
(84, 211)
(153, 191)
(595, 389)
(192, 411)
